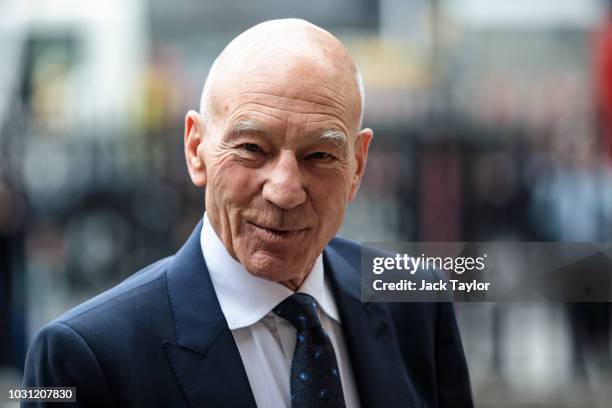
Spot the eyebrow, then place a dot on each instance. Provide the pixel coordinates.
(246, 126)
(333, 135)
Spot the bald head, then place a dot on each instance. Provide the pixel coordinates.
(283, 50)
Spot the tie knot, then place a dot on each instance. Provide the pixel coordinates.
(300, 310)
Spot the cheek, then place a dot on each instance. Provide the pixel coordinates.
(338, 182)
(330, 195)
(231, 184)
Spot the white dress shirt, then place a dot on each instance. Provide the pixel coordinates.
(265, 341)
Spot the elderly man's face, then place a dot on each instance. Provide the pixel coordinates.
(282, 157)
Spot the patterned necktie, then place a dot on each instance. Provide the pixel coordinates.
(315, 379)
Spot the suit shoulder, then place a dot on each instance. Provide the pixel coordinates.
(352, 251)
(347, 248)
(146, 281)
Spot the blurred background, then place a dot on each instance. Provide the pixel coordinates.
(492, 120)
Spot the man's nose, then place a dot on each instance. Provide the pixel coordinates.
(284, 186)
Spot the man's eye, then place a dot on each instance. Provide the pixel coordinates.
(252, 147)
(320, 156)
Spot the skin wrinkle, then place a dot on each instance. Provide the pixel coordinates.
(279, 140)
(356, 97)
(280, 109)
(339, 119)
(277, 118)
(344, 132)
(344, 106)
(340, 111)
(242, 128)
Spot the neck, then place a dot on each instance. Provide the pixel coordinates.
(295, 283)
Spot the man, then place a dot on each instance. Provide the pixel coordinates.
(261, 306)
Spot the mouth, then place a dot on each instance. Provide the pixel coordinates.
(274, 234)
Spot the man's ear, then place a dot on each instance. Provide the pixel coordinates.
(362, 145)
(194, 137)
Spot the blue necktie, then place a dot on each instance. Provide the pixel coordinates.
(315, 378)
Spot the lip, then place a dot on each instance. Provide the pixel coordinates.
(277, 235)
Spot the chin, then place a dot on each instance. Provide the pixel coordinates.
(270, 267)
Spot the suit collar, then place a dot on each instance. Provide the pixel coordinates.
(377, 365)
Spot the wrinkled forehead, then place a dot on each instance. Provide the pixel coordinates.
(293, 72)
(299, 81)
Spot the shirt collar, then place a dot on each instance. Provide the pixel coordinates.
(246, 299)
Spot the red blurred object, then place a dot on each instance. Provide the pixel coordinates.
(603, 82)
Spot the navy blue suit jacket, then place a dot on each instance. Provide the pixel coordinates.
(159, 339)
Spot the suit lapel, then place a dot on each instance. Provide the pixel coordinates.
(379, 374)
(204, 356)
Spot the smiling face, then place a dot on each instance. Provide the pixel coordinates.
(280, 156)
